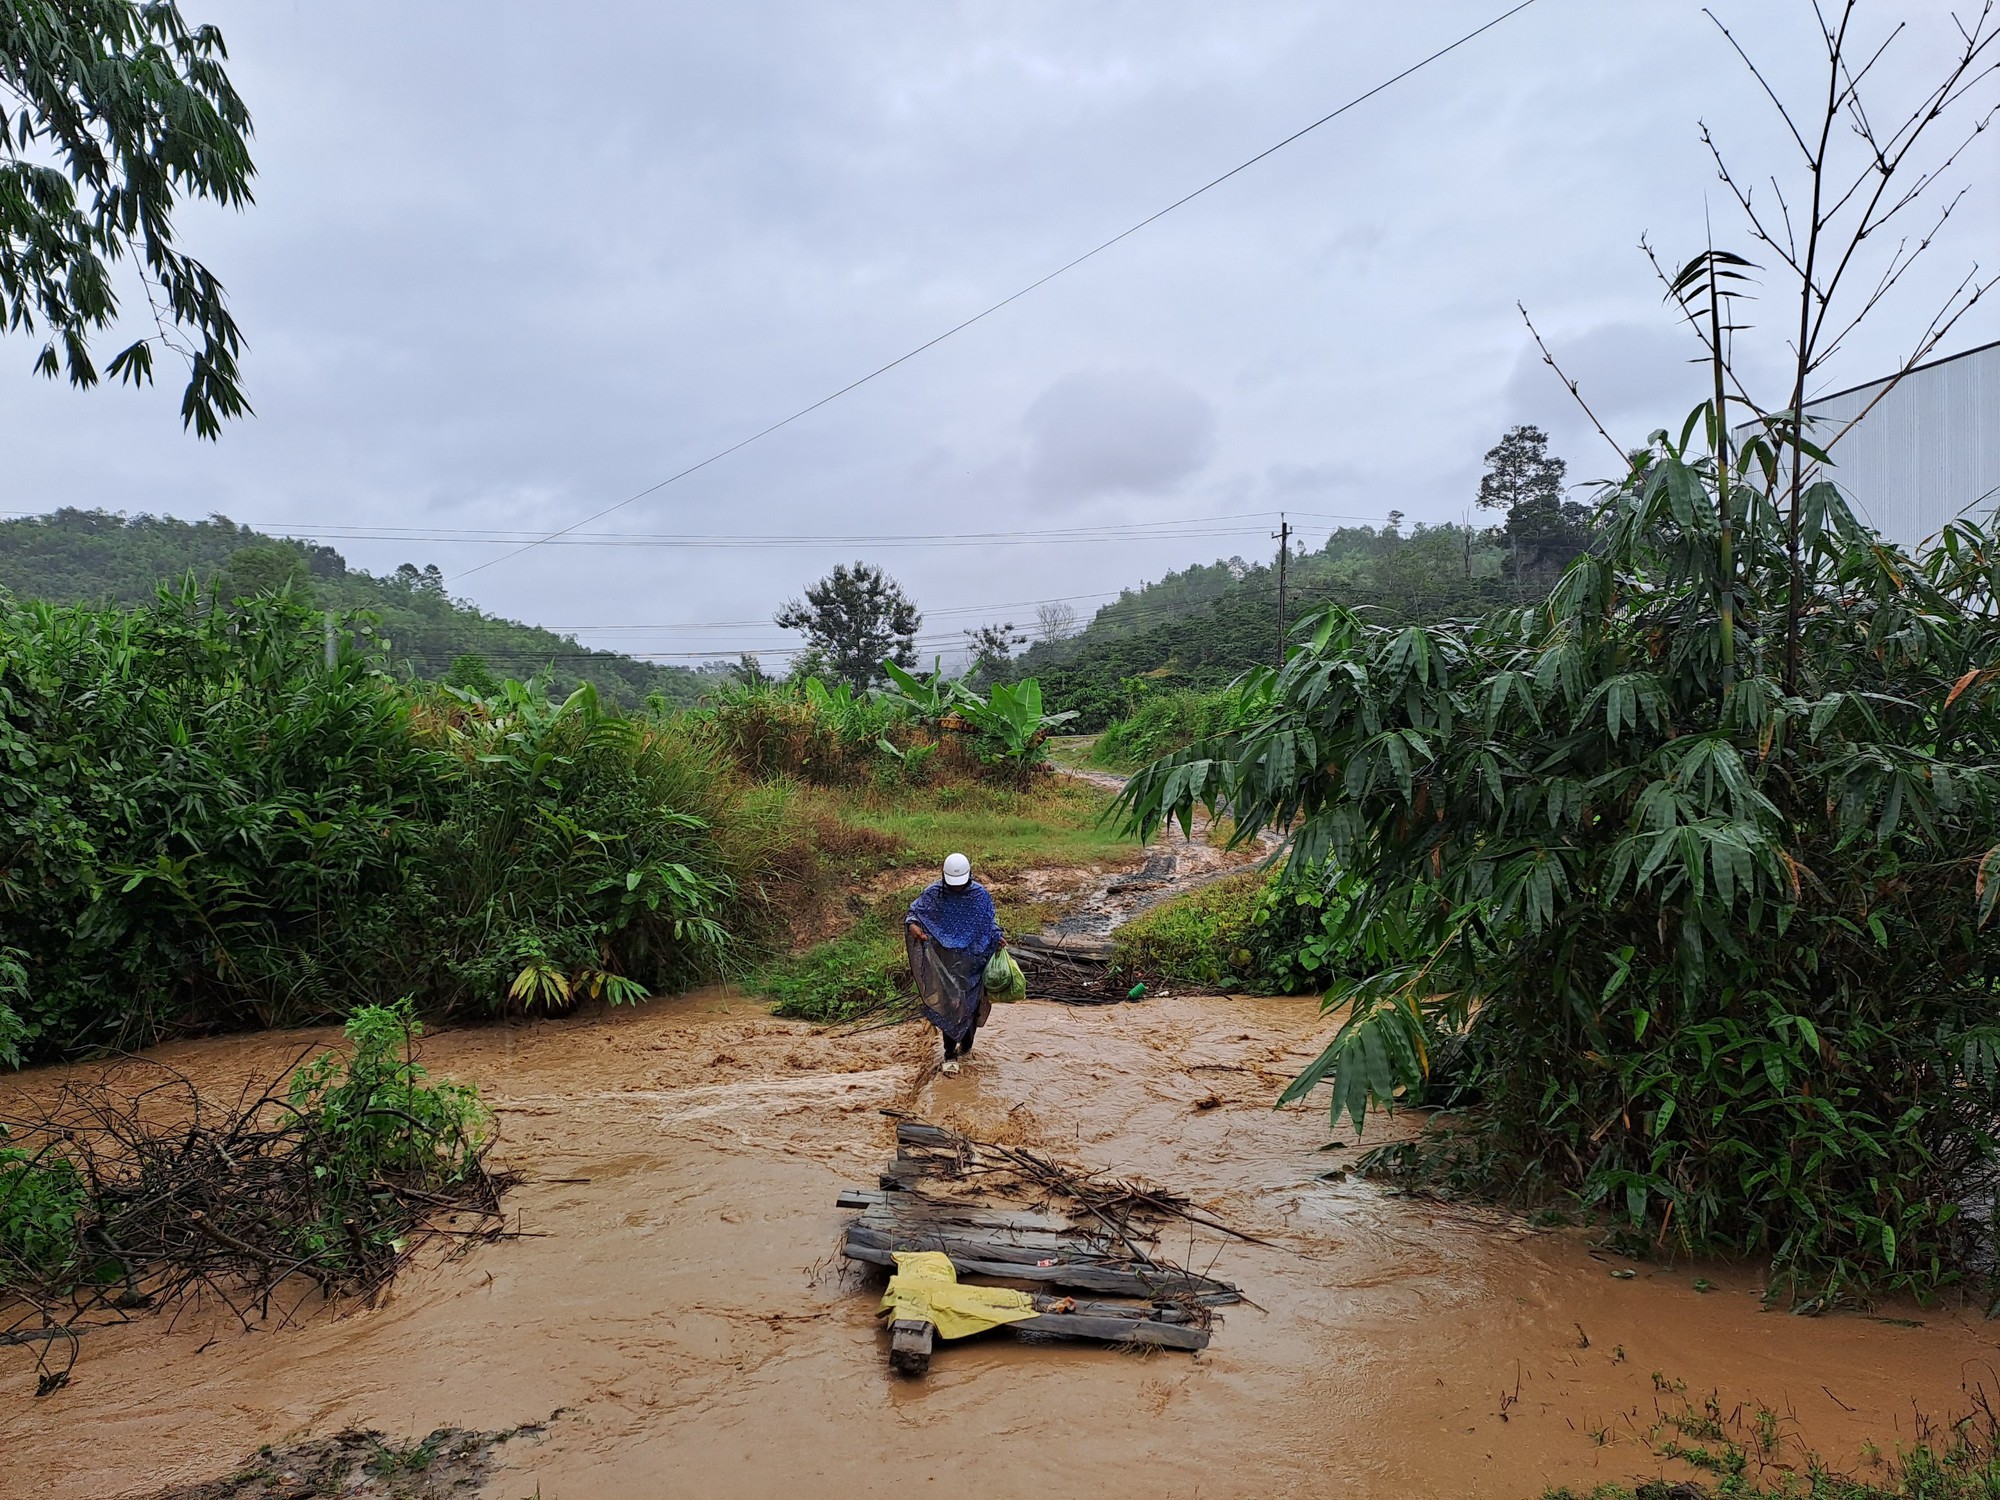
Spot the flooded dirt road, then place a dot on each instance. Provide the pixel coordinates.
(685, 1316)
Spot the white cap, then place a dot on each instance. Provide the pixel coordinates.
(957, 869)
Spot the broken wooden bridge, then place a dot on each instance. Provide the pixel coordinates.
(1102, 1243)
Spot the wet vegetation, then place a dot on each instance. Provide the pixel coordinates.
(1162, 723)
(138, 1192)
(1752, 1452)
(205, 825)
(1690, 866)
(208, 823)
(1714, 930)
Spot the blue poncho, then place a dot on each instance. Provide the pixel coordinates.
(950, 969)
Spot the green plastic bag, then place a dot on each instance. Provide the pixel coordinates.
(1004, 980)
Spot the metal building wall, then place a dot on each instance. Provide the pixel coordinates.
(1927, 453)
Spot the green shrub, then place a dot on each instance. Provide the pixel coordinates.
(1263, 933)
(577, 854)
(375, 1113)
(1207, 937)
(806, 730)
(42, 1198)
(203, 825)
(1714, 930)
(863, 971)
(1162, 724)
(327, 1174)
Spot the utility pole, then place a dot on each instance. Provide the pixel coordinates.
(332, 648)
(1284, 536)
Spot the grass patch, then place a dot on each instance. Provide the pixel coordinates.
(1749, 1452)
(856, 974)
(1207, 937)
(1058, 820)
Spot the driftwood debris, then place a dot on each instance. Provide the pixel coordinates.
(1103, 1241)
(1070, 970)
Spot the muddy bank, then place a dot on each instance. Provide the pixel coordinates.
(686, 1312)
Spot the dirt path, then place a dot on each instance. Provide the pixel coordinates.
(1174, 864)
(685, 1316)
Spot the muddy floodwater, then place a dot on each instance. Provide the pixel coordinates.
(683, 1313)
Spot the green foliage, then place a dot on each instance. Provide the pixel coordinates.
(376, 1111)
(325, 1173)
(202, 825)
(902, 766)
(834, 736)
(1715, 944)
(1267, 934)
(1011, 724)
(577, 856)
(1203, 627)
(804, 730)
(42, 1197)
(96, 558)
(1163, 723)
(1542, 531)
(852, 619)
(859, 973)
(927, 699)
(1749, 1455)
(1207, 937)
(119, 109)
(13, 991)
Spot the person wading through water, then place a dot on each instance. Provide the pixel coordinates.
(950, 932)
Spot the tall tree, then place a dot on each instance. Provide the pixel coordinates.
(855, 618)
(1520, 470)
(1526, 481)
(135, 112)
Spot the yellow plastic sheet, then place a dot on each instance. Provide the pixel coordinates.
(926, 1289)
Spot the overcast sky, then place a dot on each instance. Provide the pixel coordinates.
(510, 263)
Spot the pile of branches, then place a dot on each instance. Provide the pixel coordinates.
(1121, 1214)
(130, 1193)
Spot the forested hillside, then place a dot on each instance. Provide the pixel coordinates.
(1201, 627)
(96, 557)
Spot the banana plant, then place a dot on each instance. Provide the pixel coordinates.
(929, 699)
(1012, 717)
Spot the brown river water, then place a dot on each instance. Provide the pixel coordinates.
(686, 1314)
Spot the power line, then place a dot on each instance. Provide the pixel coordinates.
(1140, 618)
(1014, 297)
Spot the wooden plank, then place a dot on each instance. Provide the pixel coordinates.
(910, 1346)
(905, 1170)
(1074, 946)
(1128, 1310)
(888, 1237)
(909, 1208)
(1085, 1278)
(1005, 1234)
(917, 1133)
(1114, 1330)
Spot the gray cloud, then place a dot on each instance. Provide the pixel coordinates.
(1635, 377)
(511, 263)
(1116, 430)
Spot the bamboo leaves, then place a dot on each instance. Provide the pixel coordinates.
(1726, 932)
